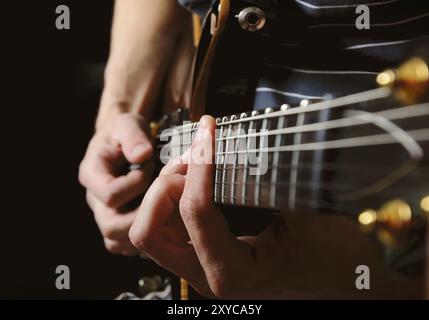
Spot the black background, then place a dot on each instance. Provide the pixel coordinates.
(49, 103)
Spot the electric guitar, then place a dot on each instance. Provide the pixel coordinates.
(365, 155)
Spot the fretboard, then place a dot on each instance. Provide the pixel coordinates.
(280, 158)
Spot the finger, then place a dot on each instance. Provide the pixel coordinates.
(98, 166)
(158, 207)
(178, 165)
(113, 191)
(124, 248)
(149, 233)
(131, 136)
(207, 228)
(112, 224)
(127, 188)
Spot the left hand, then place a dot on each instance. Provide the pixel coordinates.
(301, 256)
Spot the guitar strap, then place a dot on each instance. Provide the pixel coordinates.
(204, 58)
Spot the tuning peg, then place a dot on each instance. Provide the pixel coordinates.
(424, 205)
(390, 223)
(368, 218)
(396, 213)
(410, 82)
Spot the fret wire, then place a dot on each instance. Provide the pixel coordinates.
(262, 142)
(274, 168)
(295, 159)
(188, 137)
(235, 163)
(224, 172)
(252, 126)
(218, 165)
(185, 140)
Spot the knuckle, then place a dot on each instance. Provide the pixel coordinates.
(110, 197)
(129, 253)
(190, 206)
(140, 239)
(109, 230)
(221, 286)
(112, 246)
(162, 181)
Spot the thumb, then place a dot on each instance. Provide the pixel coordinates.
(134, 141)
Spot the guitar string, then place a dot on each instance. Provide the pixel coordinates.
(390, 114)
(331, 186)
(301, 184)
(309, 203)
(319, 106)
(363, 141)
(372, 140)
(399, 114)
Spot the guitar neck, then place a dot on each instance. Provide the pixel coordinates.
(311, 156)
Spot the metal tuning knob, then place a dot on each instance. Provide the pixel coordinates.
(410, 82)
(392, 223)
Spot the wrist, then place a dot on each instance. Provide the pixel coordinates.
(122, 94)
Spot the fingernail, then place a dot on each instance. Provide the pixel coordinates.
(140, 150)
(200, 133)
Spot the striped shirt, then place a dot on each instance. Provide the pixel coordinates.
(320, 52)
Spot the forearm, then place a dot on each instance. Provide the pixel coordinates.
(144, 36)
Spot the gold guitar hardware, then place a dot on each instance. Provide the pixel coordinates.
(395, 214)
(154, 128)
(410, 82)
(424, 205)
(390, 223)
(368, 217)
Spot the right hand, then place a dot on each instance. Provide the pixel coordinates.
(110, 189)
